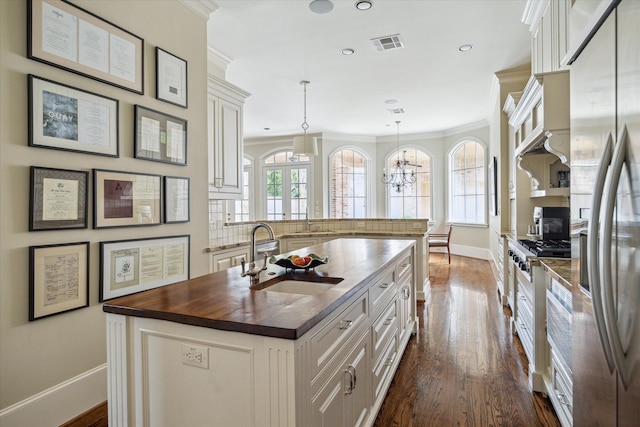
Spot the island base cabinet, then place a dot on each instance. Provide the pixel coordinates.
(344, 399)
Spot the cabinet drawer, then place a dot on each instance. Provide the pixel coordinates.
(383, 368)
(384, 328)
(384, 286)
(328, 340)
(562, 393)
(405, 267)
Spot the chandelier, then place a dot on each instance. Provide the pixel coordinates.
(305, 145)
(399, 176)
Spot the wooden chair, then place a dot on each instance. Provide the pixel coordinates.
(441, 240)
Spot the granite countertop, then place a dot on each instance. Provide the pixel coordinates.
(339, 233)
(224, 301)
(559, 269)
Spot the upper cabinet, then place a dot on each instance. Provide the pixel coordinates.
(548, 22)
(225, 104)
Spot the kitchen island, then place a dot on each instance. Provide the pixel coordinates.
(211, 351)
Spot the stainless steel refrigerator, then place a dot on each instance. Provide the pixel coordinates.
(605, 213)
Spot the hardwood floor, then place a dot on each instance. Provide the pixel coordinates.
(464, 367)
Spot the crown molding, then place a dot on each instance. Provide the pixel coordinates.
(203, 8)
(218, 58)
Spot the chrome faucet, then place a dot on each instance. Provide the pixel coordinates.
(254, 271)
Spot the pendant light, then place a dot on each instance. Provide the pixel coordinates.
(399, 175)
(305, 145)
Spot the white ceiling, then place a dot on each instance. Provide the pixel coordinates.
(275, 44)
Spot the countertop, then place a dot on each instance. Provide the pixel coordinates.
(224, 301)
(559, 269)
(335, 234)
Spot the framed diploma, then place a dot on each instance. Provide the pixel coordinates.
(123, 199)
(71, 38)
(176, 199)
(159, 137)
(65, 118)
(58, 279)
(131, 266)
(171, 78)
(57, 199)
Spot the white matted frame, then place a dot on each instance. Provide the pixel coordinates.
(171, 78)
(176, 199)
(69, 37)
(58, 279)
(132, 266)
(65, 118)
(124, 199)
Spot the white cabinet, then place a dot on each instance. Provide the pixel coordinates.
(293, 244)
(406, 297)
(225, 259)
(225, 103)
(548, 22)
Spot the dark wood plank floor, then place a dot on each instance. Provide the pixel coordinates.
(464, 367)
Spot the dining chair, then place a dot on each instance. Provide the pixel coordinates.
(441, 240)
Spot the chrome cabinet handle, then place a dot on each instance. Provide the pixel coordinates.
(345, 324)
(606, 229)
(592, 250)
(351, 370)
(390, 360)
(384, 285)
(406, 292)
(387, 322)
(562, 399)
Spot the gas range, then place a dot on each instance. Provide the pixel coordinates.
(548, 248)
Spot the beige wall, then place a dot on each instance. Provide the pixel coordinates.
(35, 356)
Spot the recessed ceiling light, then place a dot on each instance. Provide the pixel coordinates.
(321, 6)
(266, 128)
(347, 51)
(465, 48)
(364, 4)
(390, 101)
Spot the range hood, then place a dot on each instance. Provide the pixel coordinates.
(541, 117)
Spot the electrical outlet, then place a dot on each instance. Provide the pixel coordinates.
(417, 225)
(361, 224)
(195, 355)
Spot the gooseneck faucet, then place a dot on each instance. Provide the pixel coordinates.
(254, 271)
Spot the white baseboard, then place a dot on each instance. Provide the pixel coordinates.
(59, 403)
(468, 251)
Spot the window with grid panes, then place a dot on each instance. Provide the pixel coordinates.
(467, 184)
(348, 184)
(286, 178)
(412, 201)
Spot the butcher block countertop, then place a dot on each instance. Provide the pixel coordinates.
(224, 301)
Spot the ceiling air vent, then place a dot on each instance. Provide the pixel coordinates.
(396, 110)
(388, 42)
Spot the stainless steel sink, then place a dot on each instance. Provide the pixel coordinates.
(299, 284)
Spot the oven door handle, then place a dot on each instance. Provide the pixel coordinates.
(606, 279)
(592, 252)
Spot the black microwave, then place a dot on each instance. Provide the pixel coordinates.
(552, 222)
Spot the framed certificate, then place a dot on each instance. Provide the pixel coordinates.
(58, 279)
(130, 266)
(124, 199)
(176, 199)
(65, 118)
(159, 137)
(171, 78)
(68, 37)
(57, 199)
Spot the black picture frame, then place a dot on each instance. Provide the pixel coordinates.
(171, 78)
(126, 199)
(58, 198)
(493, 187)
(159, 137)
(66, 118)
(56, 35)
(136, 265)
(58, 279)
(177, 199)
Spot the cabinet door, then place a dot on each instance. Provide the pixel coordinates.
(295, 244)
(225, 121)
(344, 400)
(223, 260)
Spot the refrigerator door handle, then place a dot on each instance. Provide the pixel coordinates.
(592, 252)
(606, 230)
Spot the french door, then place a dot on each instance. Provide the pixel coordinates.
(286, 192)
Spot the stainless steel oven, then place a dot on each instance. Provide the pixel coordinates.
(559, 302)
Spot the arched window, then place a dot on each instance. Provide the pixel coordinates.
(348, 184)
(414, 200)
(287, 182)
(467, 183)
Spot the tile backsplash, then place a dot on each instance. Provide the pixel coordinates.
(223, 234)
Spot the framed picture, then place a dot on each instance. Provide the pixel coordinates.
(131, 266)
(68, 37)
(65, 118)
(176, 199)
(57, 199)
(493, 187)
(58, 278)
(124, 199)
(171, 78)
(160, 137)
